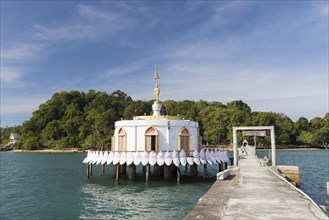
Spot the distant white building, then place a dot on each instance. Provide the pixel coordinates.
(13, 138)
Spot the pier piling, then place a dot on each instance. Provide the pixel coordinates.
(158, 170)
(166, 172)
(117, 173)
(178, 175)
(87, 171)
(222, 166)
(103, 169)
(194, 170)
(204, 171)
(123, 169)
(132, 172)
(147, 173)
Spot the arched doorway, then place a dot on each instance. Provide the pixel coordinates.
(122, 140)
(184, 140)
(151, 139)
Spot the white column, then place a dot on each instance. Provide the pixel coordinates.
(235, 147)
(273, 146)
(156, 109)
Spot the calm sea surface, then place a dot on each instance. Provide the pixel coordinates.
(54, 186)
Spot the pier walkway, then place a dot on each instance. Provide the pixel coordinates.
(254, 192)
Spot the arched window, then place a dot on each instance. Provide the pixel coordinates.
(122, 140)
(184, 140)
(151, 139)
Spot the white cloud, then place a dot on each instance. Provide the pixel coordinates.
(12, 77)
(91, 23)
(306, 106)
(9, 75)
(22, 52)
(325, 10)
(321, 8)
(68, 32)
(18, 104)
(89, 12)
(121, 71)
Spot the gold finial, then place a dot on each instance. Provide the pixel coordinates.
(157, 88)
(156, 74)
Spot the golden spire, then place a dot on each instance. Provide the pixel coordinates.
(156, 74)
(157, 88)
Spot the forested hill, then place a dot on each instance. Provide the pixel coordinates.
(79, 119)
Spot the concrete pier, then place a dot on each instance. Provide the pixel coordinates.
(255, 192)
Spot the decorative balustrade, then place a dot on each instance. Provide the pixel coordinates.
(205, 156)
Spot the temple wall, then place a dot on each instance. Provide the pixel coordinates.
(167, 130)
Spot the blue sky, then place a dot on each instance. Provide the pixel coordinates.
(273, 55)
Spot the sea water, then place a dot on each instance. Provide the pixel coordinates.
(54, 186)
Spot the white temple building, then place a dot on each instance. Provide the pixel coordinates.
(156, 132)
(156, 140)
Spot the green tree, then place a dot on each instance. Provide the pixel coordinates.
(137, 108)
(301, 125)
(74, 119)
(284, 128)
(239, 114)
(214, 120)
(316, 123)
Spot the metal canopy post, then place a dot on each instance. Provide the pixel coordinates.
(273, 146)
(235, 147)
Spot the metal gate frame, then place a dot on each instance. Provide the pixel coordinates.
(253, 128)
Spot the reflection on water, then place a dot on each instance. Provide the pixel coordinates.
(137, 200)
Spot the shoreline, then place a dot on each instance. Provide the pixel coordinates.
(69, 150)
(78, 150)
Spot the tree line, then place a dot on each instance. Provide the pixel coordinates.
(86, 120)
